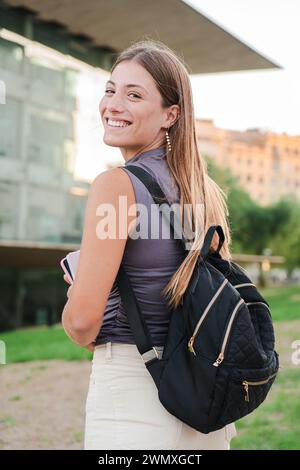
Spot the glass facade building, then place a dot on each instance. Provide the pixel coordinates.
(38, 203)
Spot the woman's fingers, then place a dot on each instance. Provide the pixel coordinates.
(90, 346)
(69, 291)
(67, 279)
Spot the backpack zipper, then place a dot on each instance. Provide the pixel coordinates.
(205, 313)
(220, 357)
(246, 384)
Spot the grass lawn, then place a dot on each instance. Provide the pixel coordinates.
(41, 343)
(284, 302)
(274, 425)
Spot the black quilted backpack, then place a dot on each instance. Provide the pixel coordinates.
(218, 362)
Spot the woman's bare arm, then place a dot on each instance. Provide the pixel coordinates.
(99, 258)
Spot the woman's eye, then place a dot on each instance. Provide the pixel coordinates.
(130, 94)
(134, 94)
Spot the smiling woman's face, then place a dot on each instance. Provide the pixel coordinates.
(131, 110)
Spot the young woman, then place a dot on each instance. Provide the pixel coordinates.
(147, 112)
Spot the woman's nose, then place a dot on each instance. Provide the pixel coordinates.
(115, 103)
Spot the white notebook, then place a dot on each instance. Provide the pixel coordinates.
(73, 258)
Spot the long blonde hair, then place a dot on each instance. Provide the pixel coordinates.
(189, 169)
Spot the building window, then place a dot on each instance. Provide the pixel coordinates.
(275, 158)
(45, 214)
(48, 140)
(11, 56)
(44, 71)
(8, 210)
(60, 81)
(249, 178)
(9, 128)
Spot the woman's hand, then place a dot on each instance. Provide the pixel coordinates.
(67, 279)
(90, 346)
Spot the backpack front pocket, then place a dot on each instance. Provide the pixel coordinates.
(246, 390)
(246, 384)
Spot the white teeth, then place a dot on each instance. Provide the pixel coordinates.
(117, 123)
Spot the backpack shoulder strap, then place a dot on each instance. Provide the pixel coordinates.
(159, 198)
(136, 321)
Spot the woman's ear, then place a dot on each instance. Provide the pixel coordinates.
(172, 115)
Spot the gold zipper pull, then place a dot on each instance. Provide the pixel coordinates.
(246, 388)
(219, 360)
(191, 345)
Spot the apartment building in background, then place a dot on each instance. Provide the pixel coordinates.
(266, 164)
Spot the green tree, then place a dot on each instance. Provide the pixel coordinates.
(287, 242)
(255, 228)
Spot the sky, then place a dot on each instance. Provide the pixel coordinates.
(269, 99)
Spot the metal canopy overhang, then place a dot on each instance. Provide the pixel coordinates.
(17, 254)
(31, 255)
(97, 30)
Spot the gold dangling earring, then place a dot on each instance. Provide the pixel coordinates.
(168, 141)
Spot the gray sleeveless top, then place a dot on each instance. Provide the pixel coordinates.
(149, 262)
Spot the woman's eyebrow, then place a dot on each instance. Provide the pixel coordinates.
(129, 85)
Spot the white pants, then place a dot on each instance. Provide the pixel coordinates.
(123, 410)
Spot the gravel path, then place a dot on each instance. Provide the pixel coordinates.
(42, 404)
